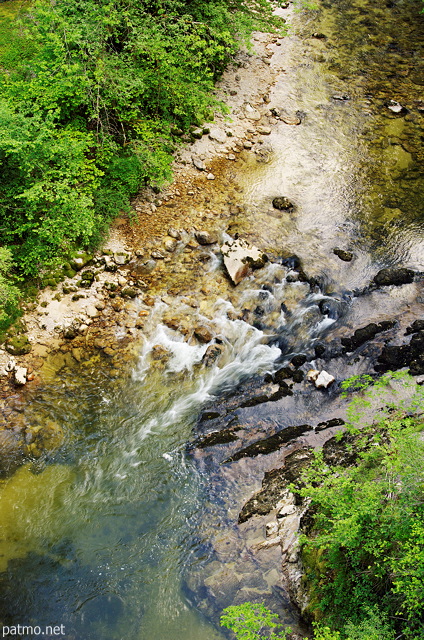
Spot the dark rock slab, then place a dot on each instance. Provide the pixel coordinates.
(346, 256)
(366, 333)
(271, 444)
(394, 276)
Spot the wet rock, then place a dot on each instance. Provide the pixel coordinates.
(264, 153)
(264, 131)
(223, 436)
(334, 422)
(319, 36)
(240, 257)
(117, 304)
(396, 108)
(7, 364)
(145, 267)
(121, 258)
(70, 333)
(212, 354)
(18, 345)
(417, 325)
(283, 204)
(170, 245)
(197, 134)
(87, 279)
(199, 164)
(80, 260)
(205, 238)
(298, 360)
(319, 349)
(340, 97)
(321, 379)
(157, 255)
(203, 334)
(283, 374)
(271, 444)
(174, 233)
(275, 483)
(346, 256)
(292, 120)
(20, 375)
(394, 276)
(366, 333)
(159, 352)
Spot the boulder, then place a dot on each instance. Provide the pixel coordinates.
(346, 256)
(212, 353)
(21, 375)
(282, 203)
(18, 345)
(240, 257)
(321, 379)
(218, 135)
(251, 113)
(204, 237)
(199, 164)
(203, 334)
(394, 275)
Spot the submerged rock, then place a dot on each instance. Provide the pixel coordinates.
(205, 238)
(282, 203)
(240, 257)
(394, 275)
(346, 256)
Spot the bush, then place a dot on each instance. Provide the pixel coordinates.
(364, 556)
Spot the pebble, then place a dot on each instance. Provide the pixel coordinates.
(210, 176)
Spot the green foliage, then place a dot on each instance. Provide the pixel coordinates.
(9, 293)
(91, 93)
(365, 552)
(252, 621)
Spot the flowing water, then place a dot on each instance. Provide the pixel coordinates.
(99, 536)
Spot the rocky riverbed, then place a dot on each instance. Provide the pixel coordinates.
(318, 297)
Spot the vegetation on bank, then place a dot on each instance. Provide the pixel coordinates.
(95, 97)
(363, 549)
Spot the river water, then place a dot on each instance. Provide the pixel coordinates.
(104, 535)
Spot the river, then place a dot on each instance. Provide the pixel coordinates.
(124, 532)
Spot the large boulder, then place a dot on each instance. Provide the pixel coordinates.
(394, 275)
(240, 257)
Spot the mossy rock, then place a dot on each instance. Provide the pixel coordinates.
(129, 292)
(18, 345)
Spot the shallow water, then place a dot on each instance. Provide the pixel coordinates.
(99, 536)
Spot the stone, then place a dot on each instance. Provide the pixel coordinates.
(20, 375)
(264, 131)
(346, 256)
(394, 276)
(283, 204)
(121, 258)
(396, 108)
(341, 97)
(170, 245)
(129, 292)
(199, 164)
(212, 353)
(80, 260)
(7, 364)
(205, 238)
(251, 113)
(18, 345)
(210, 176)
(366, 333)
(218, 135)
(174, 233)
(271, 529)
(157, 255)
(117, 304)
(291, 120)
(240, 257)
(91, 311)
(203, 334)
(197, 134)
(247, 144)
(321, 379)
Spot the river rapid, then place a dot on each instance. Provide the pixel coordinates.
(130, 529)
